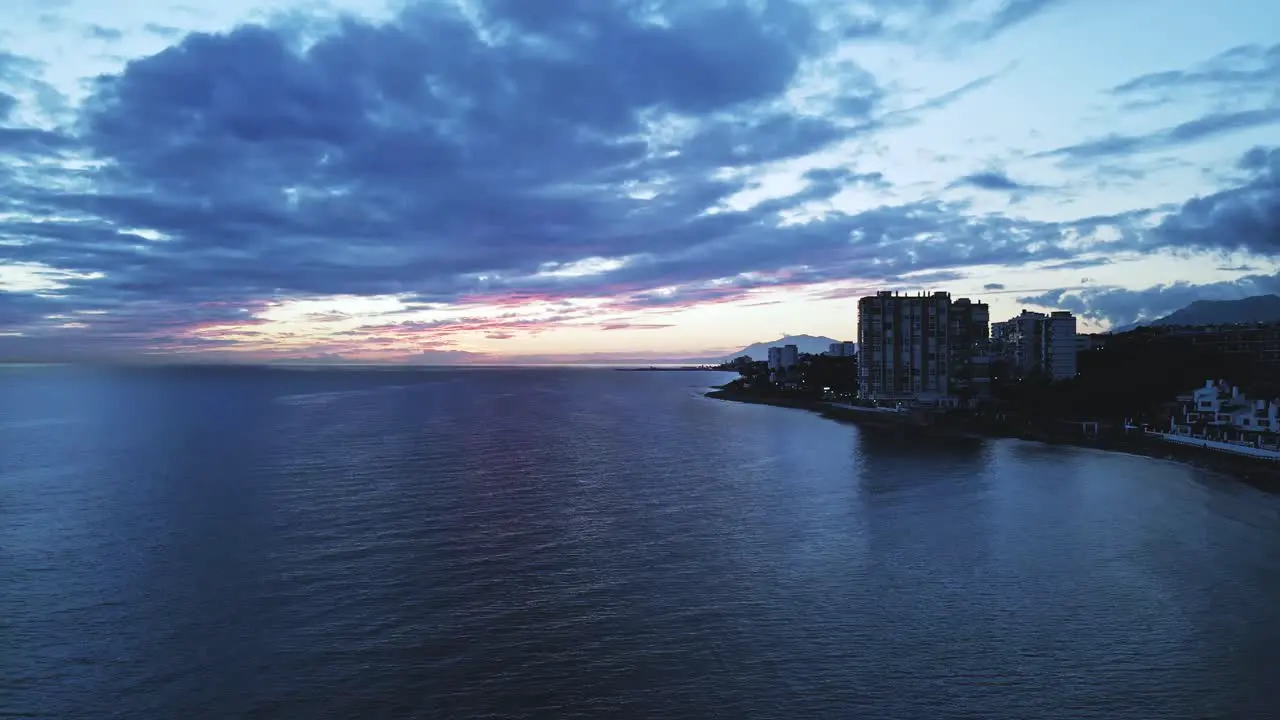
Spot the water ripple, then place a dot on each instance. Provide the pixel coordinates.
(574, 544)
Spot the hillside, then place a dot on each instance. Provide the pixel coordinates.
(806, 344)
(1260, 308)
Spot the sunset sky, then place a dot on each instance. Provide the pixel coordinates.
(550, 180)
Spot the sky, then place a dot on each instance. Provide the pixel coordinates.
(441, 181)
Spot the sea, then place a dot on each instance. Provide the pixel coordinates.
(225, 542)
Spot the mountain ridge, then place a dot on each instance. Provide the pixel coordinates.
(1249, 310)
(812, 344)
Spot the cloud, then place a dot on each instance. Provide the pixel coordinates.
(1246, 217)
(1077, 263)
(417, 156)
(1015, 12)
(634, 326)
(517, 153)
(32, 141)
(444, 357)
(1117, 306)
(826, 182)
(1202, 128)
(22, 86)
(912, 114)
(439, 158)
(8, 104)
(993, 286)
(99, 32)
(994, 180)
(908, 19)
(1243, 76)
(1243, 69)
(166, 32)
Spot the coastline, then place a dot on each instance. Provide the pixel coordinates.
(1262, 474)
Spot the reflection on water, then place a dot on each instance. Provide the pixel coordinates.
(571, 543)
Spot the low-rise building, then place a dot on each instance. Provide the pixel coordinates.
(1219, 406)
(1090, 341)
(783, 361)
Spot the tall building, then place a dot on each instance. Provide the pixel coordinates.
(970, 349)
(1035, 343)
(842, 349)
(903, 346)
(922, 348)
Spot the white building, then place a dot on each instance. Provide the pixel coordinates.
(1221, 406)
(843, 349)
(1034, 342)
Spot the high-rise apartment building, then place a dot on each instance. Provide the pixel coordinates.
(922, 348)
(903, 346)
(1034, 343)
(970, 349)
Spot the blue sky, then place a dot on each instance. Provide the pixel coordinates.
(494, 180)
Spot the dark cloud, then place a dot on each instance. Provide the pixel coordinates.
(951, 97)
(993, 286)
(416, 156)
(826, 182)
(32, 141)
(633, 326)
(1077, 263)
(1202, 128)
(1242, 69)
(21, 82)
(1235, 75)
(443, 357)
(1118, 307)
(1256, 159)
(1245, 218)
(1015, 12)
(99, 32)
(166, 32)
(911, 115)
(449, 162)
(994, 180)
(917, 15)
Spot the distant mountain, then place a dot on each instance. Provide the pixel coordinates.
(805, 343)
(1257, 309)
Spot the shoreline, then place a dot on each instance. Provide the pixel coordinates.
(1262, 474)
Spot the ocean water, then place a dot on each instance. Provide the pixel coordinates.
(568, 543)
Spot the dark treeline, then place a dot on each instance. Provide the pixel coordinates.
(816, 376)
(1137, 375)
